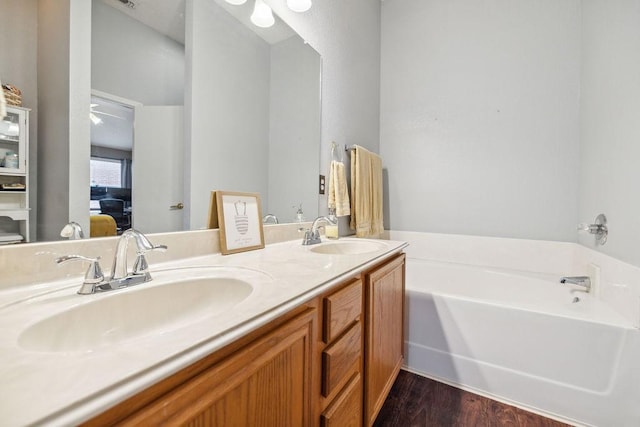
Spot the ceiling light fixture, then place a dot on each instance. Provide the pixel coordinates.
(294, 5)
(299, 5)
(262, 15)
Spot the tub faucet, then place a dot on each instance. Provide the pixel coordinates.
(312, 236)
(584, 281)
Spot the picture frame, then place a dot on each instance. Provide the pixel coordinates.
(239, 218)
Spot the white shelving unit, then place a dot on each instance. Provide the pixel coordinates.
(14, 203)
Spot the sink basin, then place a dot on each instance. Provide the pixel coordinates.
(116, 316)
(350, 247)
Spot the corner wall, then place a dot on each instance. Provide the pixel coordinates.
(347, 36)
(609, 125)
(18, 66)
(131, 60)
(64, 83)
(226, 108)
(294, 130)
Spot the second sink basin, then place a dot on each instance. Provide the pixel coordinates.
(347, 247)
(145, 309)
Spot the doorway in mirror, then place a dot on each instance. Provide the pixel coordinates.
(141, 165)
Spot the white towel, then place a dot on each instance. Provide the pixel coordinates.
(338, 193)
(366, 193)
(3, 103)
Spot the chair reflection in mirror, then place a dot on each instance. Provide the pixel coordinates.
(115, 208)
(102, 226)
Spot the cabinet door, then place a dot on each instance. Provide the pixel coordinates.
(13, 139)
(265, 384)
(384, 337)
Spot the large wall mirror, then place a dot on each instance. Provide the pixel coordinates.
(188, 97)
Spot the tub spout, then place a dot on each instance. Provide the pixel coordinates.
(584, 281)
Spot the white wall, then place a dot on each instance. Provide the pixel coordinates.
(227, 108)
(134, 61)
(294, 130)
(79, 98)
(479, 116)
(610, 131)
(64, 92)
(18, 66)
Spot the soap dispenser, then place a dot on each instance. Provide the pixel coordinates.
(331, 229)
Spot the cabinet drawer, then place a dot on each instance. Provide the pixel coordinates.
(341, 309)
(346, 409)
(339, 358)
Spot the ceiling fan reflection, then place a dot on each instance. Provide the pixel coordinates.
(97, 120)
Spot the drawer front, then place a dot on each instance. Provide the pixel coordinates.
(339, 358)
(341, 309)
(346, 409)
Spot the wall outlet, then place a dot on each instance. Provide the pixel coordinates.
(321, 184)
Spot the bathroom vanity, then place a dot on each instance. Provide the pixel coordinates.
(319, 341)
(304, 368)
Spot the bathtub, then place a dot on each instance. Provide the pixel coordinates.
(523, 338)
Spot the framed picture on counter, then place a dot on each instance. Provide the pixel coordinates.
(239, 218)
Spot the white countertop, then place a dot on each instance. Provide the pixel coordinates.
(64, 388)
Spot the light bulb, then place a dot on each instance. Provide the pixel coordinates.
(299, 5)
(262, 15)
(236, 2)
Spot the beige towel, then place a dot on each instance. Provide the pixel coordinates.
(366, 193)
(338, 193)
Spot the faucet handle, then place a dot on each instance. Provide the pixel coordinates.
(599, 228)
(140, 266)
(311, 237)
(92, 277)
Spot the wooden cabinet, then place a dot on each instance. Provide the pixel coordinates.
(346, 409)
(328, 362)
(340, 356)
(14, 176)
(265, 383)
(384, 333)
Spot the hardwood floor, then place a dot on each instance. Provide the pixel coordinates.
(415, 401)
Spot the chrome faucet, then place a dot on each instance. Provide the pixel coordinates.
(72, 231)
(94, 280)
(119, 270)
(312, 236)
(584, 281)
